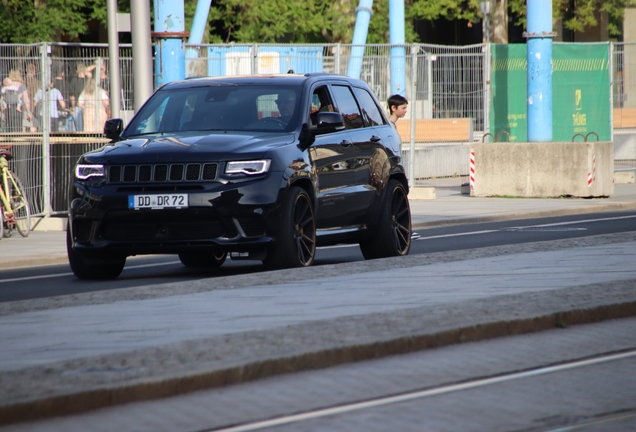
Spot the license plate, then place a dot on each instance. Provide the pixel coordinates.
(157, 202)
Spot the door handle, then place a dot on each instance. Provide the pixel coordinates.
(345, 143)
(375, 138)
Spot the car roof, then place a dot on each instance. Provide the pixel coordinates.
(289, 79)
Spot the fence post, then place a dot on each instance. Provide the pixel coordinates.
(254, 63)
(610, 71)
(487, 78)
(429, 83)
(45, 119)
(413, 116)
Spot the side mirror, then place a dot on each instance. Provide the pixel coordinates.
(328, 122)
(113, 128)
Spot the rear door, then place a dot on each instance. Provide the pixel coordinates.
(386, 143)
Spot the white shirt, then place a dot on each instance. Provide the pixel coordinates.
(54, 96)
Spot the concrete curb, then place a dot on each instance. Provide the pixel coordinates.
(34, 262)
(294, 349)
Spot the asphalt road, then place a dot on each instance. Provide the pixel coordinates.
(47, 281)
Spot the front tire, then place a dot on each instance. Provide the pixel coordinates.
(393, 234)
(295, 245)
(202, 260)
(94, 267)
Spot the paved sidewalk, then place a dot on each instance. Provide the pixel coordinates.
(79, 352)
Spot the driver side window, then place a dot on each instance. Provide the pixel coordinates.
(320, 102)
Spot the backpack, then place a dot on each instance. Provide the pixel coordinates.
(11, 96)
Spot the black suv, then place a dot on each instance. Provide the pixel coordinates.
(257, 167)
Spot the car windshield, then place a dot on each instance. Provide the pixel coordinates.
(226, 107)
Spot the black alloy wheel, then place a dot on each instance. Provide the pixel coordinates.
(393, 234)
(296, 242)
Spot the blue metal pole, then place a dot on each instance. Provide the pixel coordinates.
(169, 37)
(196, 34)
(398, 54)
(199, 22)
(539, 57)
(364, 12)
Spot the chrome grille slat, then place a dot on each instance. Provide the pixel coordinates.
(162, 173)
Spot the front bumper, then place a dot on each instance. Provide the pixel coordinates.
(231, 217)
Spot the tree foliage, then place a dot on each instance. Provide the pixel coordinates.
(577, 15)
(32, 21)
(285, 21)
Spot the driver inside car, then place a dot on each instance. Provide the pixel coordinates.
(286, 101)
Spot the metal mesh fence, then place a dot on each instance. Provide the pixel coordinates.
(441, 83)
(624, 105)
(55, 101)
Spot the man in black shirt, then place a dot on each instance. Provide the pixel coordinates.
(76, 87)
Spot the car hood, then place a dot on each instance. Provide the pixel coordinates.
(189, 147)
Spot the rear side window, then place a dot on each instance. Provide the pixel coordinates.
(370, 111)
(347, 106)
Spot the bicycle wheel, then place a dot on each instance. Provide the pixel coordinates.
(20, 206)
(1, 222)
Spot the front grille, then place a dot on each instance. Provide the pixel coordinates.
(161, 173)
(164, 231)
(165, 225)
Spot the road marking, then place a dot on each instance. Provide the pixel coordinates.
(457, 234)
(611, 419)
(544, 229)
(581, 221)
(26, 278)
(529, 227)
(424, 393)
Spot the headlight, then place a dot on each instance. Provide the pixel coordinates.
(84, 172)
(248, 167)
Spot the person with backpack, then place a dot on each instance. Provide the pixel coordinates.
(16, 98)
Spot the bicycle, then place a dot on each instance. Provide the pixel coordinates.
(14, 207)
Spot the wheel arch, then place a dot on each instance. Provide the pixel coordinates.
(308, 187)
(401, 177)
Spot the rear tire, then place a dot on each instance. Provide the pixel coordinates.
(1, 223)
(93, 267)
(392, 237)
(202, 260)
(295, 245)
(20, 206)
